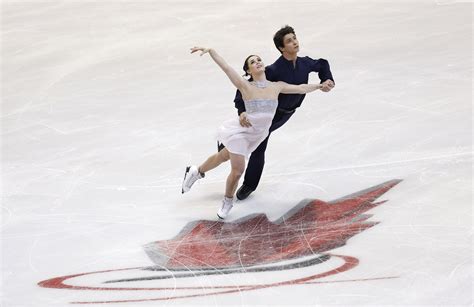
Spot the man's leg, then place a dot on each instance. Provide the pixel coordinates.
(257, 159)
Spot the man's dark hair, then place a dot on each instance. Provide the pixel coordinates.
(278, 37)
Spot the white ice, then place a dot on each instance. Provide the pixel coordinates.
(103, 106)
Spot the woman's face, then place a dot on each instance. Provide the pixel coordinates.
(255, 65)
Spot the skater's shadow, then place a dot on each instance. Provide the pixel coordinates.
(213, 197)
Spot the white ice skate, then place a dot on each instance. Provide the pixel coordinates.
(227, 204)
(191, 175)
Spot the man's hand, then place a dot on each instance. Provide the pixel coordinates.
(327, 85)
(244, 121)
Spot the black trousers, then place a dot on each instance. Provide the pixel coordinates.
(254, 170)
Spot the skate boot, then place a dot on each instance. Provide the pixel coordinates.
(220, 146)
(244, 192)
(227, 205)
(191, 175)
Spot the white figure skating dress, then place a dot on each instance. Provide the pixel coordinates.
(242, 140)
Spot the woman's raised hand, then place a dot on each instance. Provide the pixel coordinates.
(202, 49)
(234, 77)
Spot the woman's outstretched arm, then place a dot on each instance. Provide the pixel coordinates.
(234, 77)
(286, 88)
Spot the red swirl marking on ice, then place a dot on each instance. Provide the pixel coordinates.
(58, 283)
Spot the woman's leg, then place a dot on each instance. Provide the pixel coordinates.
(237, 163)
(214, 161)
(194, 173)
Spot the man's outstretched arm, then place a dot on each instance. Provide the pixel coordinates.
(321, 66)
(239, 102)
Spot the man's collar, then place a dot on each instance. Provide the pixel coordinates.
(282, 58)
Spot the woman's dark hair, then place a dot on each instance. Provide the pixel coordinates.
(280, 34)
(246, 66)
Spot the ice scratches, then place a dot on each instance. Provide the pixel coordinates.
(223, 270)
(5, 218)
(387, 163)
(159, 257)
(30, 256)
(449, 2)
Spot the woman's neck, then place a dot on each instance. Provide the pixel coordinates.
(259, 78)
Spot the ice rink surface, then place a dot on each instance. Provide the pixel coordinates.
(103, 107)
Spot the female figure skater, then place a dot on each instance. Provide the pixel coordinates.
(261, 100)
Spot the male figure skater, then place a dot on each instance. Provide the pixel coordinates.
(291, 69)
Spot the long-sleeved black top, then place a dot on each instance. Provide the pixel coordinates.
(283, 70)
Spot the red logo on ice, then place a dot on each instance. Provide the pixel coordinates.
(252, 245)
(310, 227)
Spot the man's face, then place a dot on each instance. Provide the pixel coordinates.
(290, 43)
